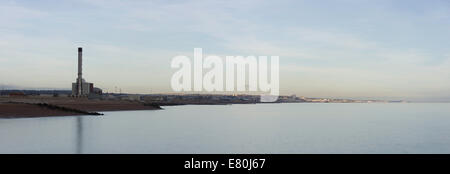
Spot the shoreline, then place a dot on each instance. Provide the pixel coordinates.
(38, 106)
(50, 107)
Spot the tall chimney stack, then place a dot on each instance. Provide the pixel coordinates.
(80, 70)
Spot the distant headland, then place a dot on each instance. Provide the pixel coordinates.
(40, 103)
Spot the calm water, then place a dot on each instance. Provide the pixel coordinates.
(263, 128)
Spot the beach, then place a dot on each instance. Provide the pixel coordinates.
(17, 107)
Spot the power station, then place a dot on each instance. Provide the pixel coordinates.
(81, 88)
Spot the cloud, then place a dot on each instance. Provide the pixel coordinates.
(12, 15)
(340, 40)
(379, 52)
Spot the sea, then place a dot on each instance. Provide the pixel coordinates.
(294, 128)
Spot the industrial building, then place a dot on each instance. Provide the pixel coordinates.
(81, 88)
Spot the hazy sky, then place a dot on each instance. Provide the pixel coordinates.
(347, 48)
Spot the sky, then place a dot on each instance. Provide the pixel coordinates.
(376, 49)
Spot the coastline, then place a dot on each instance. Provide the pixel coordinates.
(28, 107)
(45, 106)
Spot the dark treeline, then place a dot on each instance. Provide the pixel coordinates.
(35, 92)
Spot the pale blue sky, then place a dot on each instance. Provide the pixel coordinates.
(346, 48)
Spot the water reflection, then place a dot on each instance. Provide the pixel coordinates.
(79, 135)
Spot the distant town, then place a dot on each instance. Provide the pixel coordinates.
(178, 99)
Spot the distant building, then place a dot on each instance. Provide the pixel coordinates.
(97, 90)
(86, 88)
(80, 87)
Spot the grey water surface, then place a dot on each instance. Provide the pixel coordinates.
(247, 128)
